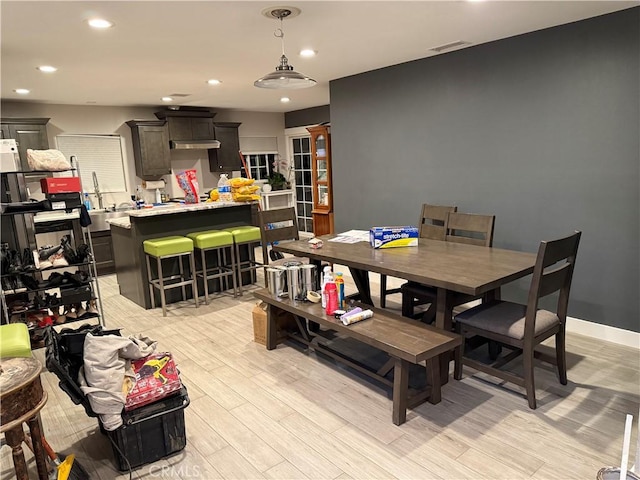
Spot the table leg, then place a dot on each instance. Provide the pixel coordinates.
(38, 449)
(433, 379)
(14, 438)
(361, 279)
(272, 333)
(400, 391)
(444, 321)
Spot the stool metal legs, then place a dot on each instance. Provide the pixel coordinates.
(253, 265)
(159, 282)
(223, 272)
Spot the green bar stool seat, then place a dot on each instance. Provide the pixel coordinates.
(245, 235)
(170, 247)
(15, 340)
(218, 241)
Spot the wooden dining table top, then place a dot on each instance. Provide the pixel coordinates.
(458, 267)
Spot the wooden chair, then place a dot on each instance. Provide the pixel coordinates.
(461, 228)
(522, 327)
(431, 225)
(276, 226)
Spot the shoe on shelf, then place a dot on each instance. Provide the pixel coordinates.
(77, 279)
(18, 286)
(15, 262)
(7, 286)
(69, 253)
(28, 263)
(92, 307)
(58, 260)
(30, 282)
(83, 253)
(5, 257)
(80, 311)
(48, 250)
(70, 312)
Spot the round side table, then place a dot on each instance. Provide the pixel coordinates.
(21, 399)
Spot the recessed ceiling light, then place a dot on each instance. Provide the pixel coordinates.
(167, 99)
(307, 52)
(21, 91)
(100, 23)
(47, 68)
(285, 99)
(213, 81)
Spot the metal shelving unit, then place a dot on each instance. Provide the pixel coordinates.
(27, 226)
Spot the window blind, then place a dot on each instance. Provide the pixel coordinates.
(96, 153)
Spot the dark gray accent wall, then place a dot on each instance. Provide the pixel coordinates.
(541, 130)
(307, 116)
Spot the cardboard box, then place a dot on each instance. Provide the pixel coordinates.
(390, 237)
(284, 321)
(60, 184)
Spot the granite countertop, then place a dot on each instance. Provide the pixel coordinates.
(125, 222)
(179, 208)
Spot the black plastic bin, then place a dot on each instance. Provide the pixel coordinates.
(150, 432)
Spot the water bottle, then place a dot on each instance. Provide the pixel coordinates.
(340, 287)
(224, 188)
(331, 292)
(325, 279)
(87, 201)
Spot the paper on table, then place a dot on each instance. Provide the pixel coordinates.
(352, 236)
(342, 239)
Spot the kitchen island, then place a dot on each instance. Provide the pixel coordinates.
(129, 232)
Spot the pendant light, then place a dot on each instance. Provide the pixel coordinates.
(284, 76)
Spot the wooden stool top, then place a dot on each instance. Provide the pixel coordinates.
(21, 393)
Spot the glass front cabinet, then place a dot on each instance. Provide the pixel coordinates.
(321, 180)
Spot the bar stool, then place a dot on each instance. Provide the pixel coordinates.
(218, 241)
(245, 235)
(170, 247)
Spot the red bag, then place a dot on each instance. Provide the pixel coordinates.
(188, 181)
(156, 377)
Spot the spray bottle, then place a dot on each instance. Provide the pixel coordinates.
(331, 292)
(327, 276)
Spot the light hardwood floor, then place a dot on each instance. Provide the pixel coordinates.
(289, 414)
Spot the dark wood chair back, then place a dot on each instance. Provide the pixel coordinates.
(552, 273)
(470, 228)
(433, 219)
(276, 226)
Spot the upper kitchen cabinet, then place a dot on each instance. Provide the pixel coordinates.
(28, 133)
(227, 157)
(189, 123)
(150, 148)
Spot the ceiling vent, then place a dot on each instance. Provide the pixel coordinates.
(449, 46)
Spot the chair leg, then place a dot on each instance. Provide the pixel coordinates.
(233, 271)
(205, 281)
(194, 277)
(163, 300)
(407, 304)
(529, 384)
(383, 291)
(457, 363)
(561, 358)
(182, 278)
(151, 287)
(239, 269)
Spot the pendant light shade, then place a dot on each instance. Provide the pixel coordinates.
(284, 76)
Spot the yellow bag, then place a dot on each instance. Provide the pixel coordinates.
(241, 182)
(246, 190)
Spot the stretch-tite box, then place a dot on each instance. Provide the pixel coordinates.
(389, 237)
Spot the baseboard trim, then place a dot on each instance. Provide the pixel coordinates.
(604, 332)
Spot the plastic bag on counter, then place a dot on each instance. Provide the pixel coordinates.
(188, 182)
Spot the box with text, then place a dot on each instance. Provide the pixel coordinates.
(389, 237)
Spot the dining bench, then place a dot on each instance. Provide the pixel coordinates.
(405, 341)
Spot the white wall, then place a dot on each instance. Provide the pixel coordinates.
(72, 119)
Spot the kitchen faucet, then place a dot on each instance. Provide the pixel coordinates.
(96, 189)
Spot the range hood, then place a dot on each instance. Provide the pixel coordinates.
(194, 144)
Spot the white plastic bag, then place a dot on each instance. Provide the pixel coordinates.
(49, 160)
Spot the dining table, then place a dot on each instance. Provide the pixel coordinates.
(449, 267)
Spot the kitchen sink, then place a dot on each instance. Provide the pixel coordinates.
(99, 219)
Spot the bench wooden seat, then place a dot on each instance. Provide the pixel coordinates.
(406, 341)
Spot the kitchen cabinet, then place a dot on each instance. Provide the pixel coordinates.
(150, 148)
(227, 157)
(28, 133)
(322, 213)
(103, 252)
(190, 128)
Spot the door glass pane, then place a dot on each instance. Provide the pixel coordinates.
(302, 176)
